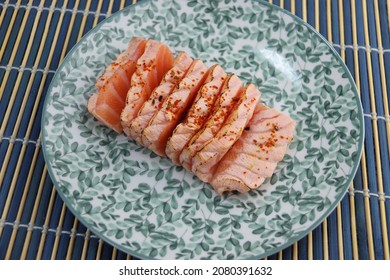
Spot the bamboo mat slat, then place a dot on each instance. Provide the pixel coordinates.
(36, 35)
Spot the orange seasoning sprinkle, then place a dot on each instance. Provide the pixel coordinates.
(270, 142)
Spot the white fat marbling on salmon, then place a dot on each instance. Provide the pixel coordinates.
(256, 153)
(228, 97)
(134, 50)
(151, 67)
(107, 104)
(159, 94)
(208, 157)
(197, 115)
(162, 124)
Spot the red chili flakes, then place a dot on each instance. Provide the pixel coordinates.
(270, 142)
(198, 120)
(244, 172)
(266, 158)
(175, 105)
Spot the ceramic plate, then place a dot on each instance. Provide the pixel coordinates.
(142, 203)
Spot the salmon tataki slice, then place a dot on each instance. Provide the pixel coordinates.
(159, 94)
(196, 117)
(107, 104)
(164, 121)
(151, 67)
(256, 154)
(206, 160)
(228, 97)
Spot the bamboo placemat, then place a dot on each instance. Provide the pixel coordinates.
(35, 36)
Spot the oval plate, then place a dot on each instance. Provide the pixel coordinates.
(147, 207)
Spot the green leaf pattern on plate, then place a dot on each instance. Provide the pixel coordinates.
(141, 202)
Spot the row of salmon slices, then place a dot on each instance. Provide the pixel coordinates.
(203, 119)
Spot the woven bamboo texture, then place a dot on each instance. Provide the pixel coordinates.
(36, 35)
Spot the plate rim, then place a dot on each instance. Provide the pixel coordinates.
(291, 241)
